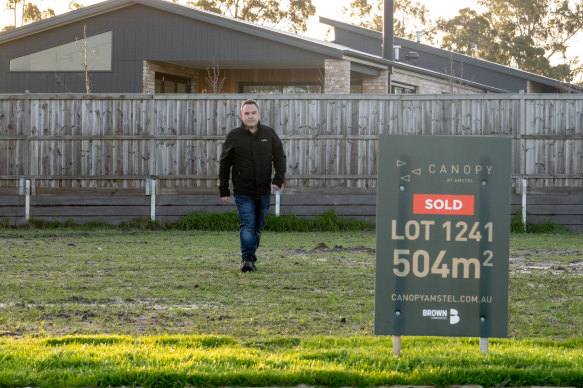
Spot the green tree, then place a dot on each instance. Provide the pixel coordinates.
(408, 16)
(74, 5)
(290, 15)
(524, 33)
(30, 12)
(12, 5)
(467, 31)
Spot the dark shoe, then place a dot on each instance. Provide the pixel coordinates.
(247, 265)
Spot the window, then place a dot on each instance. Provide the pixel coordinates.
(166, 83)
(356, 87)
(280, 88)
(68, 57)
(398, 88)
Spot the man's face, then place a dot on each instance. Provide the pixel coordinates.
(250, 115)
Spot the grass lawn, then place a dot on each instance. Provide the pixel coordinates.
(83, 307)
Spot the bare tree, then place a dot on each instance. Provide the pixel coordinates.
(215, 78)
(454, 81)
(85, 60)
(11, 5)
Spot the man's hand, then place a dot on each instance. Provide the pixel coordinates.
(225, 199)
(275, 187)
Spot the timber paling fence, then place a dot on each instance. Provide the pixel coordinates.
(117, 157)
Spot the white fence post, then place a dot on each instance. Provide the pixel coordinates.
(27, 200)
(524, 185)
(25, 189)
(153, 199)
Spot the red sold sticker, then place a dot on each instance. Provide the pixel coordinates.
(443, 204)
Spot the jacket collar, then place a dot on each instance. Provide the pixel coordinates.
(242, 126)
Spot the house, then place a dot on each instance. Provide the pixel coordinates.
(415, 66)
(154, 46)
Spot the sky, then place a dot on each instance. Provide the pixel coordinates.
(327, 8)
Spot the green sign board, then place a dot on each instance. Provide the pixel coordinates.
(443, 229)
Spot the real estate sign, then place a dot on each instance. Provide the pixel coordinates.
(443, 226)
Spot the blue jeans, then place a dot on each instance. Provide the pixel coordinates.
(252, 212)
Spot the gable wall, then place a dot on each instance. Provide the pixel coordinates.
(144, 33)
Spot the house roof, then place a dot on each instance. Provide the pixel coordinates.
(238, 25)
(371, 42)
(363, 58)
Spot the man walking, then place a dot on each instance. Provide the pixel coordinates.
(250, 153)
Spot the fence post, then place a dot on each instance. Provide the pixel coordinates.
(27, 200)
(522, 132)
(26, 132)
(153, 199)
(524, 186)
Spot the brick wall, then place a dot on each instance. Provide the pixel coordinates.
(152, 67)
(431, 85)
(337, 76)
(376, 85)
(533, 87)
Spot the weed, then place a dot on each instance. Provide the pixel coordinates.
(34, 223)
(227, 221)
(143, 223)
(517, 226)
(547, 228)
(97, 224)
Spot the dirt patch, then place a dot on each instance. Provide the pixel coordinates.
(520, 263)
(523, 265)
(323, 248)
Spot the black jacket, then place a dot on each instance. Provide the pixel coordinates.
(250, 158)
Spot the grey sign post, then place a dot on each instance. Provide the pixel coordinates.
(443, 226)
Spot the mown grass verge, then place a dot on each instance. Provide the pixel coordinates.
(178, 361)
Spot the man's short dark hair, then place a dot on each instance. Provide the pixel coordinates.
(249, 102)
